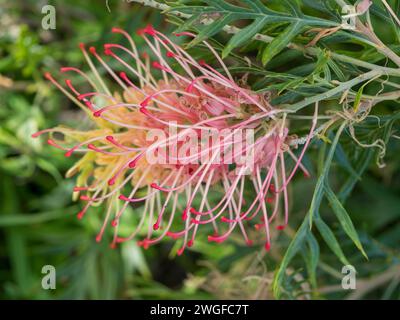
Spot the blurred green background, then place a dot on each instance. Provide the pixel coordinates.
(37, 222)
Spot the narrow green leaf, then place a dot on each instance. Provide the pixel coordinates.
(281, 41)
(344, 218)
(244, 35)
(186, 25)
(361, 165)
(313, 258)
(359, 94)
(294, 246)
(21, 219)
(212, 29)
(319, 188)
(256, 5)
(330, 239)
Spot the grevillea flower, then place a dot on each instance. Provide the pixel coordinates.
(182, 195)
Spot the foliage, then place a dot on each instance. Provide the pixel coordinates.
(346, 213)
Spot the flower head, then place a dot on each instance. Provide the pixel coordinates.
(179, 136)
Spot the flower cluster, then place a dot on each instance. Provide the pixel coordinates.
(163, 89)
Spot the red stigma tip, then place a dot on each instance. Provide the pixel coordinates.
(156, 226)
(98, 238)
(215, 239)
(157, 65)
(144, 111)
(280, 227)
(180, 251)
(202, 63)
(224, 219)
(110, 138)
(114, 223)
(92, 50)
(179, 34)
(190, 243)
(111, 182)
(132, 164)
(267, 246)
(189, 88)
(149, 30)
(113, 245)
(116, 30)
(47, 75)
(145, 244)
(249, 242)
(122, 197)
(82, 46)
(84, 198)
(145, 102)
(97, 113)
(170, 54)
(80, 215)
(91, 146)
(119, 239)
(68, 154)
(108, 52)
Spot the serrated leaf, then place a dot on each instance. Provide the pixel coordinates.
(281, 41)
(344, 218)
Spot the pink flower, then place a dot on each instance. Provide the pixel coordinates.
(215, 141)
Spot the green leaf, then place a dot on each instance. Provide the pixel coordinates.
(212, 29)
(344, 218)
(319, 188)
(294, 247)
(22, 219)
(313, 258)
(330, 239)
(244, 35)
(281, 41)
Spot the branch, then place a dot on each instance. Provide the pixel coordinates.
(267, 39)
